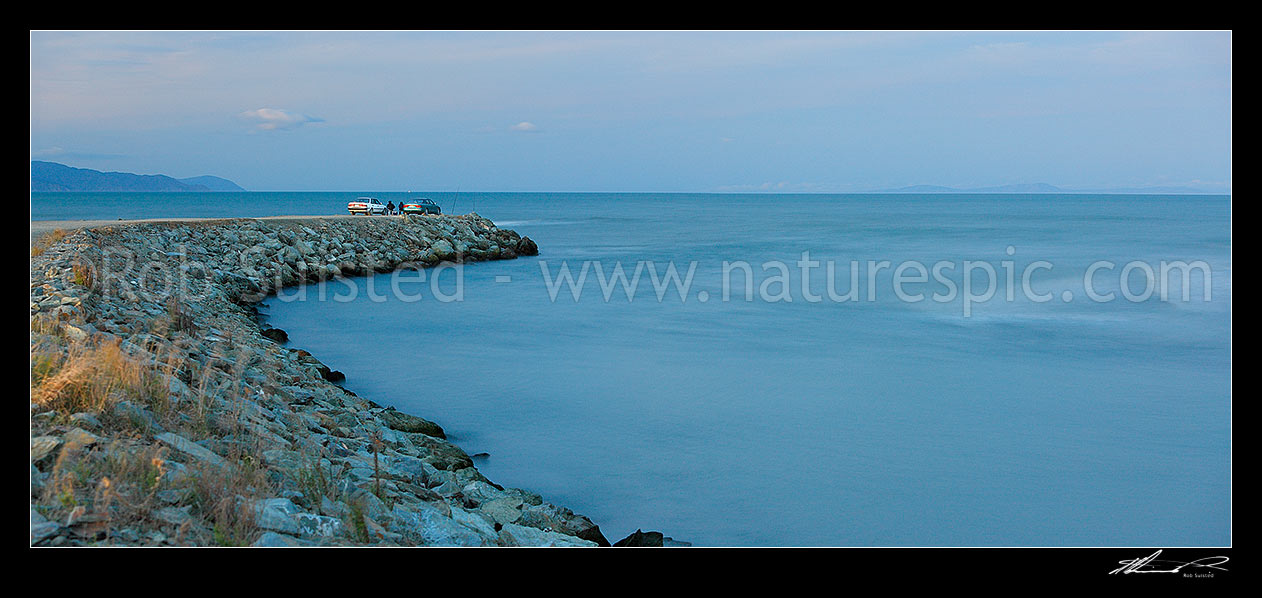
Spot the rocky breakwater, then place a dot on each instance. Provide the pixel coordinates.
(162, 414)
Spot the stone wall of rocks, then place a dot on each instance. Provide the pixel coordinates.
(294, 458)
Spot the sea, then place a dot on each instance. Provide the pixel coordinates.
(806, 370)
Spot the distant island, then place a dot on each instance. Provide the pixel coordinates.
(51, 176)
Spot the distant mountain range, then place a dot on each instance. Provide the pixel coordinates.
(51, 176)
(1046, 188)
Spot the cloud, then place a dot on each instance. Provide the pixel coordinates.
(274, 119)
(63, 154)
(524, 126)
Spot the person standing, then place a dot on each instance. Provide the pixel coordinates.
(390, 208)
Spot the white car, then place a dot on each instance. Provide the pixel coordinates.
(366, 206)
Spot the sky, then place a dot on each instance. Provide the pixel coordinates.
(639, 111)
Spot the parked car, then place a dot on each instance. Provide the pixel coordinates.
(420, 206)
(366, 206)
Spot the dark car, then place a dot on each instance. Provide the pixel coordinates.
(420, 206)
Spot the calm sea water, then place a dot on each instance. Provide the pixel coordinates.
(772, 422)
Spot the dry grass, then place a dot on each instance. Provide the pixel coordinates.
(86, 376)
(141, 468)
(79, 485)
(47, 240)
(223, 499)
(116, 482)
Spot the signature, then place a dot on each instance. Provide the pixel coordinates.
(1151, 564)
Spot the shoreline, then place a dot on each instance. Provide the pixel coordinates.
(334, 468)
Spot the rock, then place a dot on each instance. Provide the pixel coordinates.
(324, 371)
(641, 539)
(42, 446)
(474, 521)
(86, 420)
(550, 516)
(177, 388)
(371, 505)
(276, 334)
(190, 448)
(448, 488)
(409, 469)
(137, 416)
(174, 472)
(41, 531)
(444, 455)
(284, 459)
(527, 497)
(79, 438)
(443, 251)
(173, 515)
(503, 510)
(334, 508)
(519, 535)
(410, 423)
(174, 495)
(590, 531)
(425, 524)
(527, 247)
(274, 540)
(77, 333)
(464, 475)
(282, 515)
(42, 528)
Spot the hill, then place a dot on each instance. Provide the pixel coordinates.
(51, 176)
(213, 183)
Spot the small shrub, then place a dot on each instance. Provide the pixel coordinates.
(84, 275)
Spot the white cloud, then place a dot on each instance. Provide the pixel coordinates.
(524, 126)
(61, 153)
(273, 119)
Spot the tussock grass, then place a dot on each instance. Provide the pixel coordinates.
(47, 240)
(86, 376)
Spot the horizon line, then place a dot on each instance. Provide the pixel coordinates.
(1103, 191)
